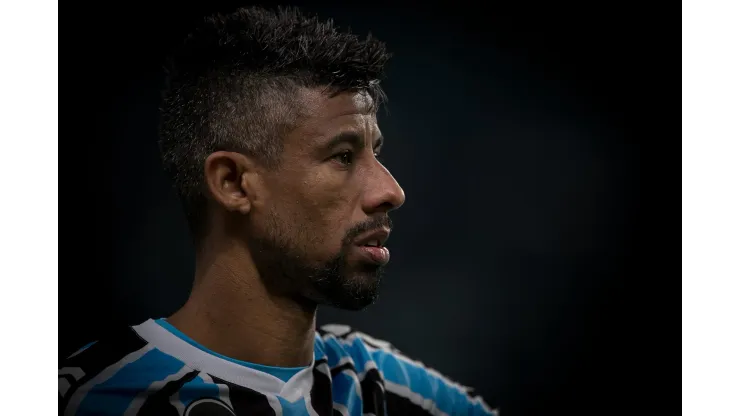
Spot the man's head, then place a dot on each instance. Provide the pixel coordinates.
(270, 135)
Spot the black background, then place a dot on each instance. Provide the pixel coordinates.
(531, 141)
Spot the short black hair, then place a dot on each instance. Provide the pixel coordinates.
(232, 84)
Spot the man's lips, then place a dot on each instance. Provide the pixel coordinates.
(375, 238)
(377, 255)
(371, 246)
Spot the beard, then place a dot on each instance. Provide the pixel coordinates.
(285, 268)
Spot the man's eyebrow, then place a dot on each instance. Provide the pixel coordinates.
(353, 139)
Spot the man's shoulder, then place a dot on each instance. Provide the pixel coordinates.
(111, 346)
(107, 375)
(406, 380)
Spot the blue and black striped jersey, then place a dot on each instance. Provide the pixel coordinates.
(153, 369)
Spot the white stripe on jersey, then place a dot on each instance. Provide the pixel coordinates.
(352, 374)
(63, 386)
(341, 409)
(369, 365)
(275, 404)
(300, 384)
(75, 372)
(337, 329)
(138, 401)
(216, 402)
(108, 372)
(414, 398)
(309, 407)
(193, 357)
(386, 347)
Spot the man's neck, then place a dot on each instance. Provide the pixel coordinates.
(231, 312)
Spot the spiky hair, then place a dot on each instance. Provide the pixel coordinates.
(232, 85)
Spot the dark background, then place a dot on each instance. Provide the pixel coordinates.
(526, 257)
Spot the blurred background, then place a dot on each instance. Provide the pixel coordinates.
(517, 133)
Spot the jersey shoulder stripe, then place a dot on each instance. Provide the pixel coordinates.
(407, 383)
(126, 390)
(95, 364)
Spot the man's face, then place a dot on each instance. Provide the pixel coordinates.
(321, 232)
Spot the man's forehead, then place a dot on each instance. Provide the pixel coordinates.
(324, 114)
(363, 102)
(319, 104)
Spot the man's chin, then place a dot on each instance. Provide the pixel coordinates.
(352, 305)
(352, 293)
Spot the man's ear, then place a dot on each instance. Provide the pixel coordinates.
(231, 178)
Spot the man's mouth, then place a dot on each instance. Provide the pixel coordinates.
(375, 238)
(371, 246)
(375, 254)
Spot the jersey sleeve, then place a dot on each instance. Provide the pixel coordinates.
(411, 387)
(89, 378)
(120, 374)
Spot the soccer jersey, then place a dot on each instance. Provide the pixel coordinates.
(154, 369)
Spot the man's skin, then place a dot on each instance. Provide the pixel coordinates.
(251, 301)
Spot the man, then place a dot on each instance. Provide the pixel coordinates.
(269, 133)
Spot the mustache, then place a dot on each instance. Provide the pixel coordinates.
(383, 221)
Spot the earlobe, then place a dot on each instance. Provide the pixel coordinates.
(225, 174)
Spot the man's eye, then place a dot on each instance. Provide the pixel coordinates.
(345, 158)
